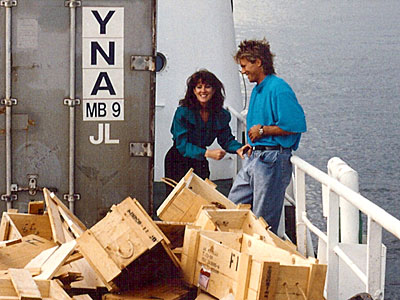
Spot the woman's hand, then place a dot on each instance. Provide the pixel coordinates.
(216, 154)
(243, 150)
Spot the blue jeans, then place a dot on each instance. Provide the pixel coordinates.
(262, 182)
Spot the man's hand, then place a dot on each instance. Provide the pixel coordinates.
(254, 133)
(243, 150)
(216, 154)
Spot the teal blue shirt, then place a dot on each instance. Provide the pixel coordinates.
(273, 102)
(192, 135)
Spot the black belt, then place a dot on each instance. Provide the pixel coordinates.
(264, 148)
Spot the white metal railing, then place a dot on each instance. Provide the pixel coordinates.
(377, 219)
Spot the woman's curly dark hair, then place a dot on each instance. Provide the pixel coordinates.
(216, 102)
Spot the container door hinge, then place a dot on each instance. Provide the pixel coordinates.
(143, 63)
(141, 149)
(72, 102)
(8, 3)
(72, 3)
(72, 198)
(9, 102)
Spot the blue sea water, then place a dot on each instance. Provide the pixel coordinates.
(342, 58)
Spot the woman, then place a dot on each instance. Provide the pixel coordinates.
(198, 121)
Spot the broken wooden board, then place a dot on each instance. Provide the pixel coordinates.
(90, 279)
(20, 254)
(56, 260)
(188, 196)
(120, 238)
(24, 284)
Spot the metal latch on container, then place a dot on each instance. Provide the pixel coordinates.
(11, 197)
(143, 63)
(72, 102)
(72, 3)
(141, 149)
(8, 3)
(72, 198)
(32, 187)
(9, 102)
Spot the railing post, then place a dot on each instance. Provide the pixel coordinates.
(333, 241)
(300, 197)
(349, 214)
(374, 259)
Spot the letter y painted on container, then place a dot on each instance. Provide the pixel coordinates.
(102, 22)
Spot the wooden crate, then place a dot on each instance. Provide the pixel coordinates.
(125, 246)
(245, 266)
(240, 220)
(188, 196)
(17, 225)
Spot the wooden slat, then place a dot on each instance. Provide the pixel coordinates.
(316, 282)
(54, 217)
(75, 229)
(82, 297)
(56, 292)
(189, 254)
(70, 215)
(24, 285)
(56, 260)
(244, 276)
(4, 227)
(38, 261)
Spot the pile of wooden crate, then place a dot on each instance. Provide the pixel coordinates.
(204, 247)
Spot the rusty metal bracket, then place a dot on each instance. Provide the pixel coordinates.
(72, 3)
(143, 63)
(141, 149)
(9, 102)
(72, 102)
(8, 3)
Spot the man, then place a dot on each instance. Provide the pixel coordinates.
(275, 121)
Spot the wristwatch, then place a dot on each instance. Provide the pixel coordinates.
(261, 131)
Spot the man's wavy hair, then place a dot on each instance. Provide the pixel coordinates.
(204, 76)
(253, 49)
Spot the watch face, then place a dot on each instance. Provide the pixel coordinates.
(261, 131)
